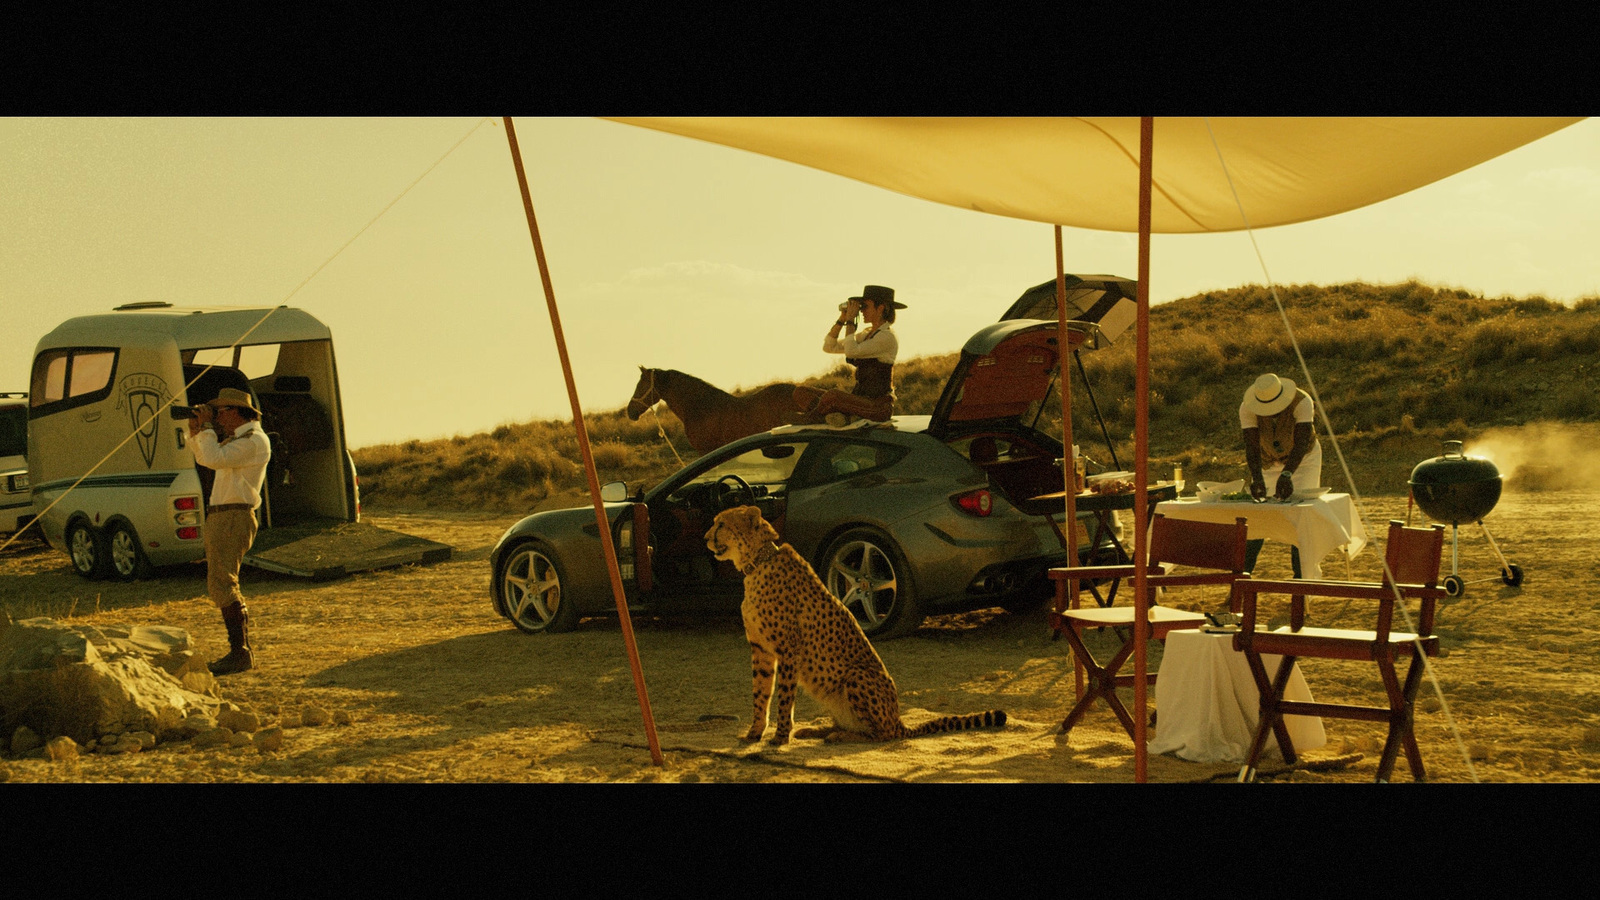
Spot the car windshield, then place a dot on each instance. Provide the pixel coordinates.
(13, 431)
(770, 465)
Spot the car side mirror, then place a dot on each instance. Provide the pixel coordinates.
(614, 492)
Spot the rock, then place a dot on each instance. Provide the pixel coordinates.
(342, 717)
(201, 681)
(23, 740)
(314, 715)
(290, 719)
(269, 740)
(85, 682)
(239, 719)
(127, 743)
(182, 663)
(60, 748)
(144, 739)
(195, 723)
(239, 739)
(213, 737)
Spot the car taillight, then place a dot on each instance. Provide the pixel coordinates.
(976, 503)
(186, 512)
(188, 533)
(625, 549)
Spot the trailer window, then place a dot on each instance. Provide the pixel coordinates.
(255, 361)
(91, 371)
(71, 377)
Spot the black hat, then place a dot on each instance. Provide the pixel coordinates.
(880, 295)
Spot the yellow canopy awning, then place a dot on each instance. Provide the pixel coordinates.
(1083, 172)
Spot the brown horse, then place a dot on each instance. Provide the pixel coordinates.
(712, 416)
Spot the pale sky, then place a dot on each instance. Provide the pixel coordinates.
(664, 251)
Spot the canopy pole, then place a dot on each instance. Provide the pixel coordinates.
(1141, 455)
(1069, 467)
(607, 545)
(1069, 470)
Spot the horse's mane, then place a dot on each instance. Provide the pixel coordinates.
(698, 388)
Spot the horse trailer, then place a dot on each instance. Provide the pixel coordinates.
(115, 483)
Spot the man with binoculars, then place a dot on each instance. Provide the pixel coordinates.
(237, 449)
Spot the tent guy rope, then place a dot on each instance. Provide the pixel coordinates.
(1344, 467)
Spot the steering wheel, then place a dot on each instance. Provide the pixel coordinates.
(730, 490)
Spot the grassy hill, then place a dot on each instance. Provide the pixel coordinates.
(1400, 368)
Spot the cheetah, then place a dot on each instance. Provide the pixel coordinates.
(801, 634)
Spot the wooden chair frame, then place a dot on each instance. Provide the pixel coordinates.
(1413, 556)
(1208, 545)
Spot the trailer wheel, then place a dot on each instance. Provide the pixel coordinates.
(1512, 576)
(87, 548)
(1454, 586)
(127, 560)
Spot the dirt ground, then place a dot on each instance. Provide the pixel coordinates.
(438, 688)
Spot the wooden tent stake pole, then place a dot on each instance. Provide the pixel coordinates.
(607, 545)
(1068, 465)
(1141, 455)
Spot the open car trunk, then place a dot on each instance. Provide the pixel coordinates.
(1006, 371)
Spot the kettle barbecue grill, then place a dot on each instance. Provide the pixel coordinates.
(1453, 488)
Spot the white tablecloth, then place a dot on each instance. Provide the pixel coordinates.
(1207, 704)
(1317, 527)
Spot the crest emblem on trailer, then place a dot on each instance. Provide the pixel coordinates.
(145, 394)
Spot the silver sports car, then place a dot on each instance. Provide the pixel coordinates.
(920, 515)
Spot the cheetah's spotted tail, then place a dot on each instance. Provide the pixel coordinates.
(994, 718)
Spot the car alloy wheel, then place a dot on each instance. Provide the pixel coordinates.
(530, 585)
(869, 576)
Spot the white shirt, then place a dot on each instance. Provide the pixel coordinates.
(240, 463)
(875, 343)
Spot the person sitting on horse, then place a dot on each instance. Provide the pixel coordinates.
(871, 349)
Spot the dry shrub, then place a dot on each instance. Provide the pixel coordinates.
(610, 455)
(1448, 358)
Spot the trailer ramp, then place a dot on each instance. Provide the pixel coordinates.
(326, 549)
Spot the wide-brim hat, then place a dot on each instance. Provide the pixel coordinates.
(1270, 395)
(883, 296)
(234, 397)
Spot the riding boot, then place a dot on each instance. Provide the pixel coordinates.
(239, 658)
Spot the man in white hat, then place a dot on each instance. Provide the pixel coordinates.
(1280, 444)
(238, 450)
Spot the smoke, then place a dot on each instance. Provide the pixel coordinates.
(1542, 456)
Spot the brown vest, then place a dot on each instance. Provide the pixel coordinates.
(1277, 433)
(874, 377)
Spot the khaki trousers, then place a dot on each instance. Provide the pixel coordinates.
(229, 534)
